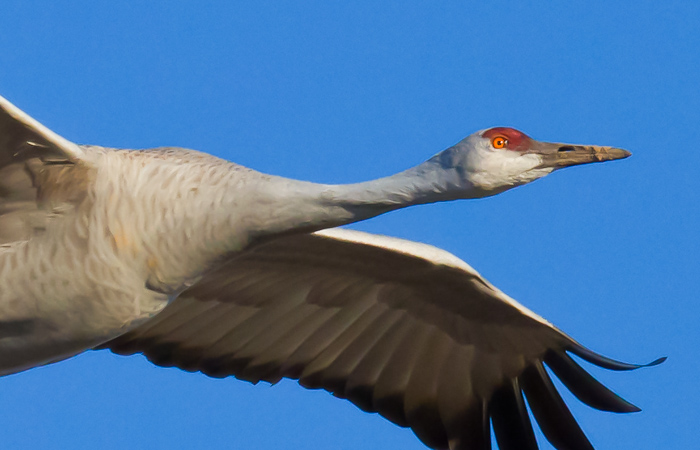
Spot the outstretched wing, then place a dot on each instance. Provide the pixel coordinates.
(39, 171)
(396, 327)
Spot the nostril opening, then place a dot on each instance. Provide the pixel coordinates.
(566, 148)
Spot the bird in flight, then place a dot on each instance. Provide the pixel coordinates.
(205, 265)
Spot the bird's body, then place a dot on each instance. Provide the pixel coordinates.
(134, 224)
(213, 267)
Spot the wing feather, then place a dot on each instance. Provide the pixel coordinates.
(267, 364)
(552, 414)
(325, 334)
(393, 382)
(396, 327)
(511, 422)
(421, 397)
(362, 382)
(464, 414)
(586, 388)
(21, 133)
(356, 342)
(40, 173)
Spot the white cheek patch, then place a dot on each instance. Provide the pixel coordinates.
(498, 169)
(533, 174)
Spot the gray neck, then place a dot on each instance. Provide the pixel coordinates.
(289, 206)
(212, 208)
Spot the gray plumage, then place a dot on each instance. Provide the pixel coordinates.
(209, 266)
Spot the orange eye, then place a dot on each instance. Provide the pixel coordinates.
(499, 142)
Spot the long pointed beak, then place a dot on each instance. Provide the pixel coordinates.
(564, 155)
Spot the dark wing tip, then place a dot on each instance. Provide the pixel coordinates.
(656, 362)
(584, 387)
(548, 408)
(553, 416)
(608, 363)
(510, 419)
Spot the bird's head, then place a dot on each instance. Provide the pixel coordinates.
(497, 159)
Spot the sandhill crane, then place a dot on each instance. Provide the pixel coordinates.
(208, 266)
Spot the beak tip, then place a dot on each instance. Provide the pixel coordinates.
(613, 153)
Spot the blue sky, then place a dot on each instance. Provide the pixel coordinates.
(343, 92)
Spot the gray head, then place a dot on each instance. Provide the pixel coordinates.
(494, 160)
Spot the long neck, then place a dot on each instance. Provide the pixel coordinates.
(290, 206)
